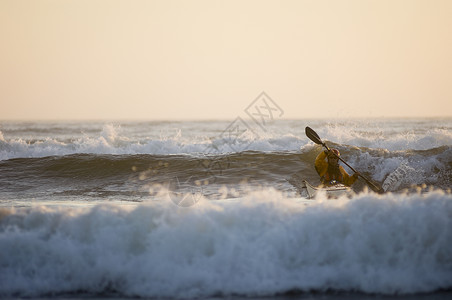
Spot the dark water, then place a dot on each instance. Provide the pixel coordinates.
(130, 177)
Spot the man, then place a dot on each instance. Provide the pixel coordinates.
(330, 172)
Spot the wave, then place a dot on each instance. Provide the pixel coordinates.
(393, 136)
(58, 140)
(110, 144)
(102, 174)
(394, 156)
(261, 245)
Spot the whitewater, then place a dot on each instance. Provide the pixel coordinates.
(22, 139)
(188, 210)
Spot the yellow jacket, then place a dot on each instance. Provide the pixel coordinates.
(321, 166)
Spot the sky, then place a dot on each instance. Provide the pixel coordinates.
(202, 60)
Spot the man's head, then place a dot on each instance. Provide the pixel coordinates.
(333, 157)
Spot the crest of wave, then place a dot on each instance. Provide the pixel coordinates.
(404, 175)
(384, 138)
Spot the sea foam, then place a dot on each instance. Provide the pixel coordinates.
(193, 138)
(111, 140)
(263, 244)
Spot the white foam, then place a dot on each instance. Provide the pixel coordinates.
(405, 168)
(383, 136)
(403, 175)
(262, 244)
(112, 140)
(189, 138)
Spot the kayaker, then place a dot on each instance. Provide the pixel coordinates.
(329, 170)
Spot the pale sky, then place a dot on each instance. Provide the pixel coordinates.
(107, 59)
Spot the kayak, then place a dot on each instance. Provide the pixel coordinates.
(333, 191)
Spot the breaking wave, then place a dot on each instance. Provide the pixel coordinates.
(261, 245)
(34, 141)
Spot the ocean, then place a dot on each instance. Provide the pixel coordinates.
(214, 209)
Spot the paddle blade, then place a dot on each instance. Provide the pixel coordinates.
(313, 136)
(375, 187)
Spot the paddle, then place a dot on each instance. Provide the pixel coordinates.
(311, 134)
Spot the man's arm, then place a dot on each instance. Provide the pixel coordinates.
(321, 165)
(348, 180)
